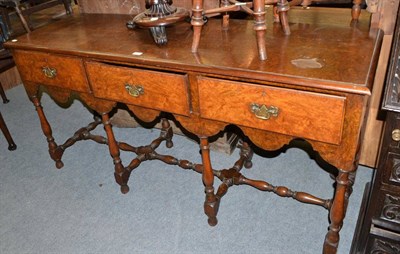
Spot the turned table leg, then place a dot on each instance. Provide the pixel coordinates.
(337, 213)
(54, 150)
(120, 174)
(211, 204)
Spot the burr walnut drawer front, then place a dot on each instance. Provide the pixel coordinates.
(53, 70)
(287, 111)
(156, 90)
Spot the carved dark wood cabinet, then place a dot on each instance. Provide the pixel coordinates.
(378, 228)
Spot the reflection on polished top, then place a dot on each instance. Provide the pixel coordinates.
(337, 57)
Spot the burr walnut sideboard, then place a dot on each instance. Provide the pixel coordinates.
(313, 87)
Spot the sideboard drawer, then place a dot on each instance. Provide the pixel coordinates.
(53, 70)
(297, 113)
(152, 89)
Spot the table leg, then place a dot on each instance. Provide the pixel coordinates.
(54, 150)
(211, 204)
(121, 175)
(337, 213)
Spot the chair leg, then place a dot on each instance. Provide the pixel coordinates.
(3, 95)
(23, 20)
(356, 10)
(260, 27)
(7, 135)
(197, 23)
(283, 8)
(67, 5)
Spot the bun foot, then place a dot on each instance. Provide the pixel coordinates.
(169, 144)
(212, 221)
(59, 164)
(248, 164)
(124, 189)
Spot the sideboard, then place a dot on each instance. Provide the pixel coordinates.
(314, 88)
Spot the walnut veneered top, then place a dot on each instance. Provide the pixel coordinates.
(331, 56)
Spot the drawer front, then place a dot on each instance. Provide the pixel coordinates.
(151, 89)
(296, 113)
(53, 70)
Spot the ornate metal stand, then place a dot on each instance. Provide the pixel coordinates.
(158, 15)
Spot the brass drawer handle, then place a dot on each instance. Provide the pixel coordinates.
(396, 135)
(263, 112)
(134, 90)
(49, 72)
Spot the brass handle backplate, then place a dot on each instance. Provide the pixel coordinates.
(396, 135)
(263, 112)
(49, 72)
(134, 90)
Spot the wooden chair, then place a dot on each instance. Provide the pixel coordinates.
(256, 8)
(23, 8)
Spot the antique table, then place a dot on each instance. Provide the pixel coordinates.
(314, 87)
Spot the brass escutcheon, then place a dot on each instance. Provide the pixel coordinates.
(396, 135)
(263, 112)
(134, 90)
(49, 72)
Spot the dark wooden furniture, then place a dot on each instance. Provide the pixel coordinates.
(303, 92)
(30, 6)
(378, 227)
(6, 62)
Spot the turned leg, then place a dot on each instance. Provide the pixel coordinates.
(197, 23)
(120, 174)
(167, 133)
(55, 151)
(211, 203)
(247, 153)
(282, 9)
(260, 27)
(337, 213)
(7, 135)
(356, 10)
(352, 178)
